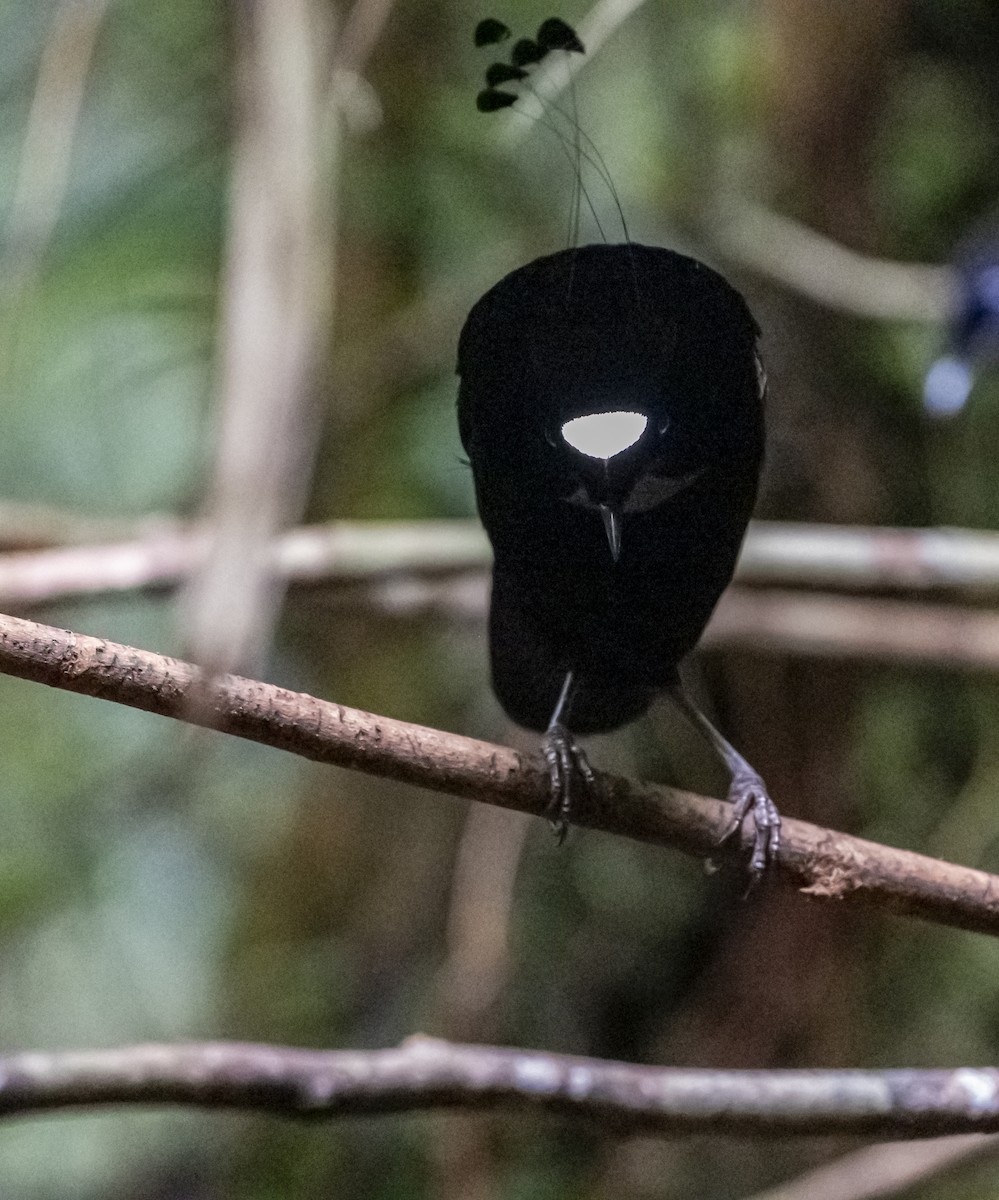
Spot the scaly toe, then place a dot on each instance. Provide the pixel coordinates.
(567, 764)
(749, 797)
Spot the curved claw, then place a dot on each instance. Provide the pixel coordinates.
(566, 762)
(749, 797)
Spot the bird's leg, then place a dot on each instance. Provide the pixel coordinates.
(747, 791)
(565, 759)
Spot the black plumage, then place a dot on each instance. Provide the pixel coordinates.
(606, 569)
(490, 31)
(526, 53)
(555, 34)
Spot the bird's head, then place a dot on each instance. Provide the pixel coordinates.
(607, 452)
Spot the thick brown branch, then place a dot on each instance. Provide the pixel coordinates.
(426, 1073)
(819, 861)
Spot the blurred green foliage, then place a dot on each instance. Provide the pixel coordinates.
(161, 884)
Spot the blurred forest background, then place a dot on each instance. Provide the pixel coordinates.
(160, 884)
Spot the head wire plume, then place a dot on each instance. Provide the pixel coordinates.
(507, 81)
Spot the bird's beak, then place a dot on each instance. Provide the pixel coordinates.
(612, 527)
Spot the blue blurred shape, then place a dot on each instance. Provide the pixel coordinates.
(976, 329)
(974, 333)
(948, 384)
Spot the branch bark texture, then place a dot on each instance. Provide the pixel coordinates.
(424, 1073)
(819, 861)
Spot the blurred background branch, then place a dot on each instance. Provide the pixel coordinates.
(429, 1073)
(877, 1172)
(950, 561)
(43, 171)
(415, 567)
(278, 286)
(828, 626)
(783, 250)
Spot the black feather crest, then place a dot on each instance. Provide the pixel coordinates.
(556, 34)
(490, 100)
(489, 32)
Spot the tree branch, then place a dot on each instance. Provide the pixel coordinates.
(165, 555)
(775, 553)
(828, 272)
(819, 861)
(881, 1171)
(410, 567)
(858, 558)
(769, 620)
(43, 171)
(278, 281)
(829, 626)
(426, 1073)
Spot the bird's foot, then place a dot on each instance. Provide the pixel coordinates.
(567, 765)
(749, 796)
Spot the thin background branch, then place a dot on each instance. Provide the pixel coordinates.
(278, 295)
(877, 1172)
(47, 149)
(826, 626)
(360, 33)
(477, 963)
(408, 568)
(164, 550)
(820, 862)
(468, 988)
(426, 1073)
(775, 552)
(813, 265)
(28, 526)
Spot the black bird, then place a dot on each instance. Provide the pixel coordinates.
(611, 407)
